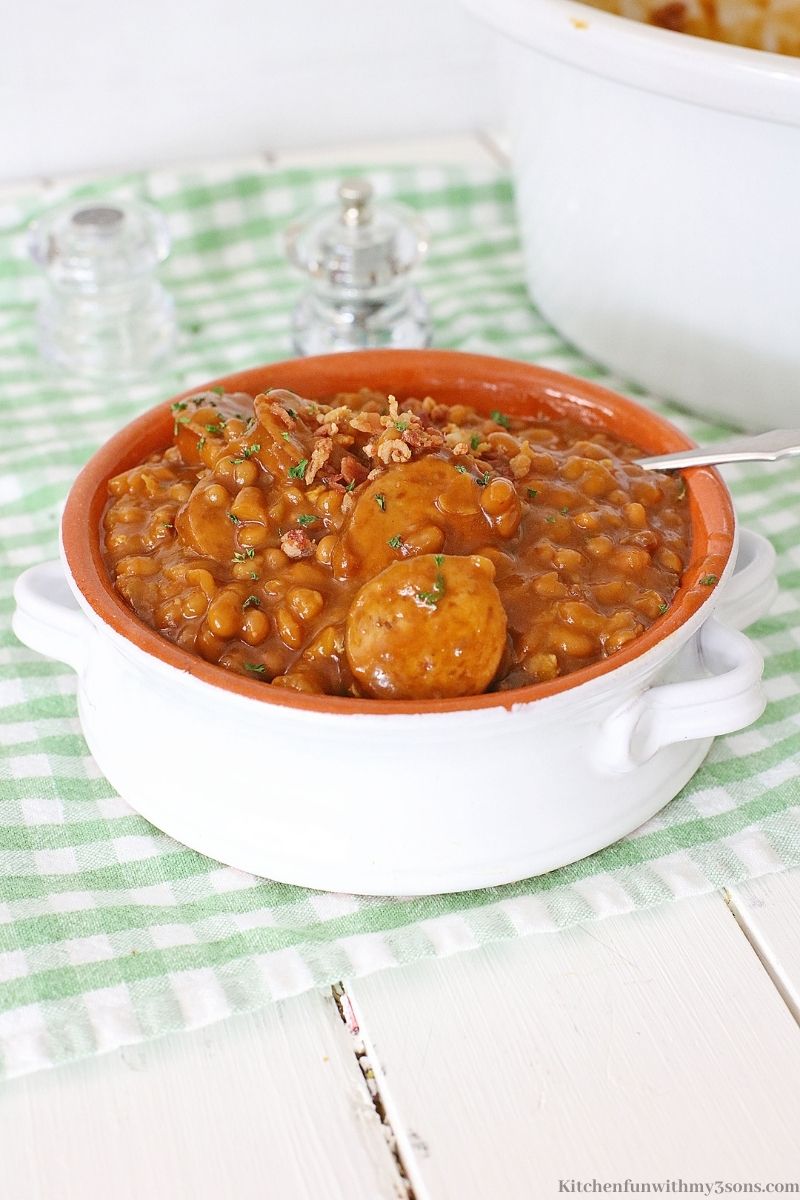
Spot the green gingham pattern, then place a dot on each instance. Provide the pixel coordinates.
(109, 931)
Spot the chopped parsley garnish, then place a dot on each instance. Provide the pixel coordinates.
(500, 419)
(298, 471)
(257, 668)
(401, 426)
(214, 428)
(475, 441)
(395, 542)
(550, 520)
(533, 493)
(564, 511)
(219, 390)
(709, 580)
(179, 405)
(252, 602)
(461, 470)
(253, 448)
(483, 479)
(233, 517)
(439, 587)
(351, 486)
(200, 444)
(285, 435)
(243, 555)
(380, 500)
(662, 608)
(306, 519)
(439, 560)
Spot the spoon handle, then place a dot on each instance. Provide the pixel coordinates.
(762, 447)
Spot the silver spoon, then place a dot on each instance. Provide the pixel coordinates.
(763, 447)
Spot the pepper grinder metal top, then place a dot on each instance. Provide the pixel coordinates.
(358, 256)
(104, 313)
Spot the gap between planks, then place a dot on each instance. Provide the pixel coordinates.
(767, 910)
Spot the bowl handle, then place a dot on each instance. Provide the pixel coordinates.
(729, 698)
(47, 617)
(752, 588)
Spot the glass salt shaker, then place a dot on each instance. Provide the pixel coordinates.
(104, 313)
(359, 255)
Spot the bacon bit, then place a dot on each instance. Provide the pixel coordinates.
(334, 415)
(319, 456)
(394, 450)
(670, 16)
(297, 544)
(352, 469)
(366, 422)
(394, 412)
(419, 438)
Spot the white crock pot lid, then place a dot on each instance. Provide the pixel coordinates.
(732, 79)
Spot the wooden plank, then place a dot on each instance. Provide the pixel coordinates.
(269, 1104)
(649, 1046)
(768, 910)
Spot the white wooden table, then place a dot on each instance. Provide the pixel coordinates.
(659, 1046)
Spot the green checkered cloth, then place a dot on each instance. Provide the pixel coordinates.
(109, 931)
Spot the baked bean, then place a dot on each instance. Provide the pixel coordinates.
(297, 682)
(255, 626)
(498, 497)
(289, 629)
(613, 592)
(588, 521)
(428, 540)
(253, 536)
(305, 603)
(669, 559)
(541, 667)
(138, 565)
(245, 473)
(195, 603)
(203, 579)
(225, 613)
(635, 515)
(630, 560)
(600, 547)
(573, 643)
(567, 559)
(550, 586)
(325, 549)
(217, 495)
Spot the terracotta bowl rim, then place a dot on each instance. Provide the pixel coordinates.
(707, 494)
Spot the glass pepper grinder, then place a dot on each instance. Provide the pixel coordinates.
(104, 313)
(358, 255)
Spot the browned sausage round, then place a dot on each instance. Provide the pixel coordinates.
(427, 628)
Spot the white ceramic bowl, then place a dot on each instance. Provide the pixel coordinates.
(376, 797)
(658, 190)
